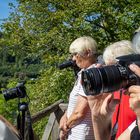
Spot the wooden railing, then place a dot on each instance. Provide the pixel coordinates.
(55, 111)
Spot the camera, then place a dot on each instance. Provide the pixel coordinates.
(67, 63)
(111, 78)
(18, 92)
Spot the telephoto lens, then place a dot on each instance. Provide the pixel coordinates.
(104, 79)
(107, 79)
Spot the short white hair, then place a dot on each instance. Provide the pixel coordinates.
(81, 44)
(117, 49)
(136, 42)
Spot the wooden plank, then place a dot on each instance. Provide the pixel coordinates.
(49, 127)
(43, 113)
(55, 131)
(58, 114)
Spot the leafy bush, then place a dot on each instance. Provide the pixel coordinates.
(51, 86)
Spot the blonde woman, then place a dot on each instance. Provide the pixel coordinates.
(76, 123)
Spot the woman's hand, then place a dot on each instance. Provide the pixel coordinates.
(102, 107)
(134, 91)
(62, 135)
(63, 127)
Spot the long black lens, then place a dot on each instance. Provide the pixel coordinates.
(66, 64)
(104, 79)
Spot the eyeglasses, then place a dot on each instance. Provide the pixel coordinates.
(73, 54)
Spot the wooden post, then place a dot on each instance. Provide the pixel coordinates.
(49, 127)
(56, 111)
(58, 114)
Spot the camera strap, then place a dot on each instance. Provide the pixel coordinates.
(115, 127)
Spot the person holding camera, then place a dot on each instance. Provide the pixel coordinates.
(133, 131)
(123, 115)
(76, 123)
(103, 106)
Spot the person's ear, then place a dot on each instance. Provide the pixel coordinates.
(89, 53)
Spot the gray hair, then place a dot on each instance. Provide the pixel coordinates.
(80, 45)
(117, 49)
(136, 42)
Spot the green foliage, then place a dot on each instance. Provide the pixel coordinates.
(52, 86)
(9, 109)
(37, 35)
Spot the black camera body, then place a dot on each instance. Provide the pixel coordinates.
(111, 78)
(18, 92)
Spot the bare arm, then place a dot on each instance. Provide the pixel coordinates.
(102, 130)
(102, 107)
(79, 112)
(63, 121)
(134, 100)
(63, 127)
(134, 91)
